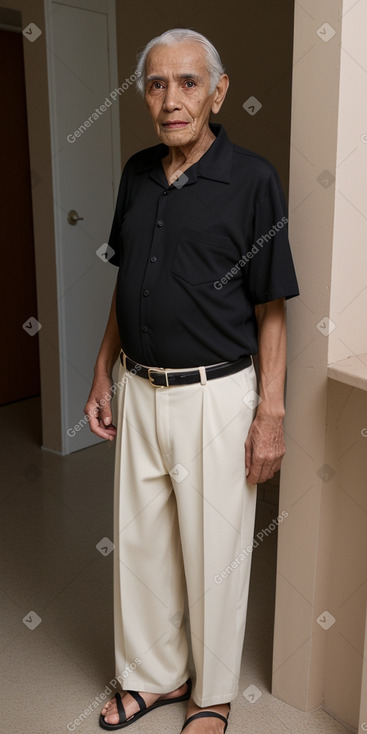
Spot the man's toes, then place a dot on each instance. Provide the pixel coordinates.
(110, 712)
(107, 707)
(111, 718)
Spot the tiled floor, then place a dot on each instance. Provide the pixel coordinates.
(54, 512)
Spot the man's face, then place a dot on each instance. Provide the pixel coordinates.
(177, 92)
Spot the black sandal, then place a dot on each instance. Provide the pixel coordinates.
(202, 714)
(144, 709)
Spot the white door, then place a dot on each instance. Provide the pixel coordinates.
(86, 169)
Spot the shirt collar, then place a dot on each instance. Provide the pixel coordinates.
(215, 164)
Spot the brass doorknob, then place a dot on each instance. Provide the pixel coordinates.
(73, 217)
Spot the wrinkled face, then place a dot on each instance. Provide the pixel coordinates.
(177, 92)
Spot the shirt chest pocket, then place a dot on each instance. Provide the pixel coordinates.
(201, 258)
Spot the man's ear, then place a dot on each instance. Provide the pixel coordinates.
(220, 93)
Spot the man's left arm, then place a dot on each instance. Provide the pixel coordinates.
(264, 446)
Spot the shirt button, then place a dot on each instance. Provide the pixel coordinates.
(145, 329)
(165, 193)
(153, 259)
(146, 292)
(160, 223)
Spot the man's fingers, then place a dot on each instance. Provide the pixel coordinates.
(106, 426)
(265, 449)
(106, 432)
(254, 476)
(266, 472)
(253, 465)
(95, 428)
(105, 415)
(248, 456)
(261, 469)
(100, 420)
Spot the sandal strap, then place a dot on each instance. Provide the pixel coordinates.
(120, 708)
(189, 687)
(139, 699)
(206, 714)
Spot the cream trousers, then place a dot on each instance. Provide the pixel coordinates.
(183, 527)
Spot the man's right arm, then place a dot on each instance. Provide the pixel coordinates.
(98, 406)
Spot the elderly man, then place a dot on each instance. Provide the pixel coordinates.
(199, 235)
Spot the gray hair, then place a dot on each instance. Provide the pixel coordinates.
(178, 35)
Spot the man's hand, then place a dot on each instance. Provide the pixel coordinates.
(98, 408)
(264, 448)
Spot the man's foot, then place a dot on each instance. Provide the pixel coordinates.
(131, 707)
(206, 724)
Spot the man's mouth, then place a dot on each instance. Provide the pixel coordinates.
(175, 124)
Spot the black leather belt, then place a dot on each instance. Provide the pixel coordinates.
(160, 377)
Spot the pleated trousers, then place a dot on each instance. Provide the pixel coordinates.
(183, 527)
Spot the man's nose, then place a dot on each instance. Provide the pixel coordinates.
(171, 99)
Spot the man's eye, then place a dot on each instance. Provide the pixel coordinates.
(157, 85)
(191, 83)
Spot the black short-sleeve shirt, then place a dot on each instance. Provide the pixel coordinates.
(196, 256)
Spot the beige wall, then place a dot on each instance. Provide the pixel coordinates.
(299, 645)
(347, 406)
(349, 268)
(322, 546)
(43, 221)
(347, 595)
(363, 710)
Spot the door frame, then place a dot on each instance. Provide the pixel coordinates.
(115, 140)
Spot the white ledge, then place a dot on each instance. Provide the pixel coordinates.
(352, 371)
